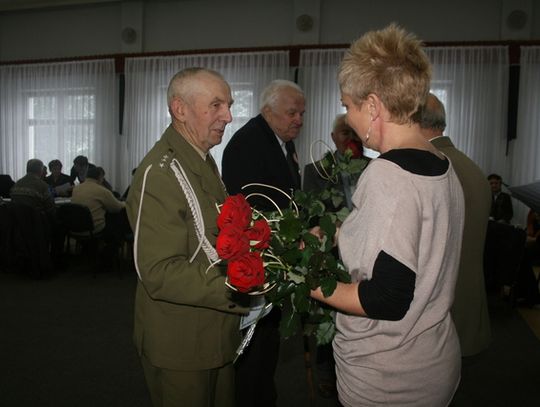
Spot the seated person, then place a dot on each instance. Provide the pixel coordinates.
(59, 183)
(527, 283)
(6, 182)
(533, 236)
(508, 263)
(101, 201)
(31, 190)
(80, 169)
(533, 224)
(501, 202)
(96, 197)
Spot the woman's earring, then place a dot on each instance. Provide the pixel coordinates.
(368, 133)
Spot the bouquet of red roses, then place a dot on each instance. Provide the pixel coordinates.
(275, 253)
(241, 241)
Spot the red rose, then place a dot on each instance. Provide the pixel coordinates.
(260, 232)
(246, 272)
(232, 243)
(235, 211)
(355, 147)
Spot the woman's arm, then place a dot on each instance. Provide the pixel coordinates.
(344, 298)
(386, 296)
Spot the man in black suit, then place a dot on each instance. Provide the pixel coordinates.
(262, 151)
(501, 203)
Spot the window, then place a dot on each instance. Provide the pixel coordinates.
(61, 125)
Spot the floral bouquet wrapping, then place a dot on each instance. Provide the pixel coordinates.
(274, 253)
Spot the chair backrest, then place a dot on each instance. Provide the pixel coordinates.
(75, 218)
(5, 185)
(29, 238)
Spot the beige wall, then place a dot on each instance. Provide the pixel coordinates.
(94, 27)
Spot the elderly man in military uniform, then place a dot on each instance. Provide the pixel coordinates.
(186, 323)
(470, 310)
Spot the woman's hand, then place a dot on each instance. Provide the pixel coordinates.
(319, 234)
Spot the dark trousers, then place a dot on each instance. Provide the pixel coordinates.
(504, 248)
(255, 386)
(116, 229)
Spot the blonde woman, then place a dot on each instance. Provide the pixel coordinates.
(395, 342)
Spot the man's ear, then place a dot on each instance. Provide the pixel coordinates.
(265, 111)
(177, 109)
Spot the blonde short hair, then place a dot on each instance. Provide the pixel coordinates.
(391, 64)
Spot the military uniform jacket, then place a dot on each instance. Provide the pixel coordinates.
(184, 317)
(470, 310)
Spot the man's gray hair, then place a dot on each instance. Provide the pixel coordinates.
(34, 166)
(181, 83)
(270, 94)
(433, 114)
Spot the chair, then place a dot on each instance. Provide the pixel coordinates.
(79, 226)
(5, 185)
(6, 231)
(26, 238)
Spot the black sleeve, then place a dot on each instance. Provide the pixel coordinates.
(390, 291)
(507, 209)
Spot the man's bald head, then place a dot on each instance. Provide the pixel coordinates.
(432, 117)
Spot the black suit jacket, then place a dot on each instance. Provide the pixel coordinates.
(254, 155)
(501, 208)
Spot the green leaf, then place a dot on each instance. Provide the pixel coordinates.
(337, 200)
(342, 214)
(292, 256)
(328, 227)
(295, 277)
(300, 298)
(330, 263)
(325, 332)
(290, 323)
(328, 285)
(310, 240)
(290, 227)
(342, 275)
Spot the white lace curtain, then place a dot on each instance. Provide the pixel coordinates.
(471, 81)
(58, 111)
(317, 76)
(526, 147)
(61, 110)
(146, 79)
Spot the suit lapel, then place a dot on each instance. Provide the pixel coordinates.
(281, 166)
